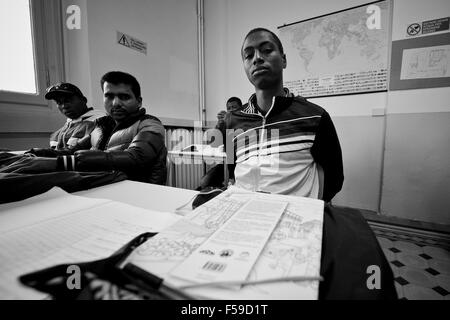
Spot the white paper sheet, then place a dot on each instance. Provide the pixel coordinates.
(57, 228)
(230, 253)
(294, 248)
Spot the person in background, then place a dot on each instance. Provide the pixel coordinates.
(214, 177)
(75, 134)
(127, 140)
(280, 140)
(233, 104)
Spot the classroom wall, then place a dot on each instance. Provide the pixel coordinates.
(168, 73)
(416, 174)
(386, 165)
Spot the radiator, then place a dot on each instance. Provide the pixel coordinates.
(185, 176)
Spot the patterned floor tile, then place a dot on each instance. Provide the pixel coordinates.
(397, 263)
(399, 289)
(420, 263)
(385, 243)
(441, 291)
(440, 265)
(412, 260)
(437, 253)
(443, 281)
(414, 292)
(418, 277)
(425, 256)
(432, 271)
(390, 256)
(401, 281)
(395, 270)
(430, 241)
(394, 250)
(408, 246)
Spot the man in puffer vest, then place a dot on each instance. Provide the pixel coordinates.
(127, 140)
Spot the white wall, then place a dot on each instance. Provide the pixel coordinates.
(376, 175)
(167, 73)
(77, 61)
(226, 24)
(416, 174)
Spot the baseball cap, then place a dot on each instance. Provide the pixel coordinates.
(62, 88)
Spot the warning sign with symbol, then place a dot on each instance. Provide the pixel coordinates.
(131, 42)
(413, 29)
(426, 27)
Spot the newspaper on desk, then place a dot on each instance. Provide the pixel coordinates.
(294, 247)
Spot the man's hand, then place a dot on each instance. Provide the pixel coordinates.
(43, 152)
(32, 165)
(221, 115)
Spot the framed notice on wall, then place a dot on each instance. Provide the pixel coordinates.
(340, 53)
(422, 62)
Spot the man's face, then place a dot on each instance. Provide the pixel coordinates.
(263, 61)
(120, 101)
(71, 105)
(233, 106)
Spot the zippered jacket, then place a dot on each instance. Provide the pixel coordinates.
(279, 152)
(135, 146)
(74, 135)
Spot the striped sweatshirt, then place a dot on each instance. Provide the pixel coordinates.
(278, 152)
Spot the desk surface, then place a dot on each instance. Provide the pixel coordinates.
(349, 247)
(144, 195)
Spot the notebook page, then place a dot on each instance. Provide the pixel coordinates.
(93, 231)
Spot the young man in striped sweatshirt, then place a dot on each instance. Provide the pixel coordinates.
(279, 139)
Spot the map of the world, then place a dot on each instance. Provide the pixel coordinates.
(340, 53)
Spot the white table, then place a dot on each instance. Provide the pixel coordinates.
(144, 195)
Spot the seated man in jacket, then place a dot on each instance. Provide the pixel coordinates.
(75, 134)
(127, 140)
(279, 139)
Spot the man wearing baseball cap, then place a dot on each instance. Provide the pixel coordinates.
(74, 135)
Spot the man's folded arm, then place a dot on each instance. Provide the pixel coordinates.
(327, 152)
(142, 152)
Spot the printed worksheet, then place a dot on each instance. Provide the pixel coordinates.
(293, 250)
(230, 253)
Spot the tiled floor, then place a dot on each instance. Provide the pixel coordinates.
(420, 261)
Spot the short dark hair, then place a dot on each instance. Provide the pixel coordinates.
(235, 99)
(274, 36)
(118, 77)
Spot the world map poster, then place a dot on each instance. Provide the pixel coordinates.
(340, 53)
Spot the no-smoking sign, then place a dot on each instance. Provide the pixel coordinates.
(413, 29)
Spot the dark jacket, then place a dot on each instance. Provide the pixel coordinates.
(278, 152)
(135, 146)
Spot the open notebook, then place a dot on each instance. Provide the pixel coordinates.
(57, 227)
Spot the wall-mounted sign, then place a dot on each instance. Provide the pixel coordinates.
(421, 62)
(435, 25)
(131, 42)
(430, 26)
